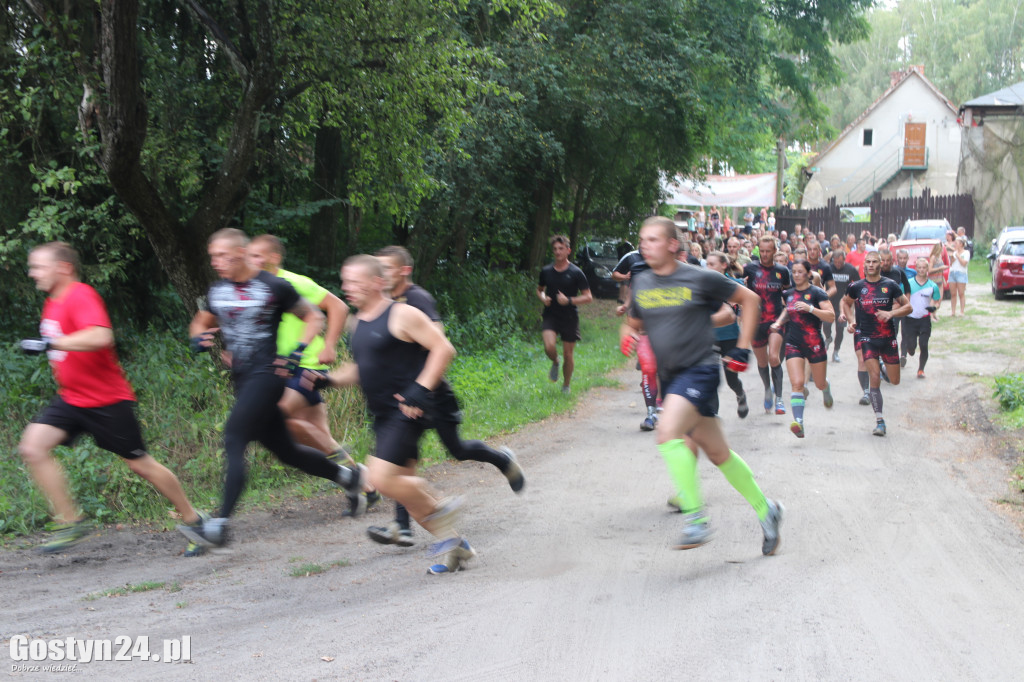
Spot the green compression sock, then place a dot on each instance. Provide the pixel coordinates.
(741, 477)
(682, 467)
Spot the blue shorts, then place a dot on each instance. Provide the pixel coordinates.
(699, 385)
(312, 397)
(957, 276)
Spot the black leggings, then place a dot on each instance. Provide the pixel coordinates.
(731, 378)
(917, 330)
(462, 450)
(255, 416)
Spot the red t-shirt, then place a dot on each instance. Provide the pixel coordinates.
(84, 379)
(856, 259)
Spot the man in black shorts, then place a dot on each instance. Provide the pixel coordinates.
(248, 303)
(93, 395)
(877, 300)
(399, 359)
(562, 286)
(675, 302)
(444, 412)
(768, 281)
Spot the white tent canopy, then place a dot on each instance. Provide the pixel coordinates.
(721, 190)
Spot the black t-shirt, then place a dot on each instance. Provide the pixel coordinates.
(632, 263)
(899, 276)
(248, 314)
(768, 283)
(870, 298)
(570, 282)
(824, 271)
(420, 298)
(843, 277)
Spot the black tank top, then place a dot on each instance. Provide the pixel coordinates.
(386, 365)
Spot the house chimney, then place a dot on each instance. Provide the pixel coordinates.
(894, 77)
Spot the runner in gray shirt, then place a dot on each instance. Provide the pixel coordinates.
(674, 302)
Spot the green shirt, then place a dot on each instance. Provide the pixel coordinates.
(290, 331)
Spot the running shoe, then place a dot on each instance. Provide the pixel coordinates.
(65, 536)
(828, 341)
(780, 407)
(553, 372)
(807, 392)
(357, 501)
(903, 360)
(920, 374)
(696, 530)
(194, 548)
(835, 357)
(211, 532)
(826, 397)
(676, 503)
(453, 552)
(565, 390)
(372, 498)
(514, 472)
(391, 534)
(770, 526)
(742, 410)
(865, 399)
(879, 429)
(649, 423)
(769, 400)
(797, 428)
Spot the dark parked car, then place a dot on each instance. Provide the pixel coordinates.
(596, 258)
(1008, 269)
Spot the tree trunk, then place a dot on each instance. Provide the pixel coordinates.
(323, 227)
(543, 197)
(578, 209)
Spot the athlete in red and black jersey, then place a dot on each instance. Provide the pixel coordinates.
(768, 281)
(806, 308)
(876, 300)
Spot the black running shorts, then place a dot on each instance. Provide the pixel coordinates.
(113, 427)
(764, 330)
(567, 327)
(398, 438)
(884, 350)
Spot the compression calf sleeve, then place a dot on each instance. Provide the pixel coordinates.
(766, 377)
(777, 380)
(796, 401)
(862, 377)
(682, 468)
(876, 401)
(741, 477)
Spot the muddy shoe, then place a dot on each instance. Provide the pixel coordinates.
(392, 534)
(514, 472)
(207, 532)
(65, 536)
(450, 555)
(770, 526)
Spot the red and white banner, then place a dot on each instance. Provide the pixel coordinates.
(721, 190)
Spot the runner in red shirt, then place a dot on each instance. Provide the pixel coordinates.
(92, 394)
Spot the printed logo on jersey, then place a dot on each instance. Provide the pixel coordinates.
(663, 298)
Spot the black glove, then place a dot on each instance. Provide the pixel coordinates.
(314, 379)
(416, 395)
(34, 346)
(200, 343)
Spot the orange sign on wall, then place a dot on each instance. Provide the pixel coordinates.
(913, 145)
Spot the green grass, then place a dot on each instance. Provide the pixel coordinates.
(130, 589)
(306, 570)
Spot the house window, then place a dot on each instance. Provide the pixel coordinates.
(868, 135)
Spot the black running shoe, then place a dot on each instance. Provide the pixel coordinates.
(391, 534)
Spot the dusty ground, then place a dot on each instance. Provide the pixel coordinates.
(900, 558)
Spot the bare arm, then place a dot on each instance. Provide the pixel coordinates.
(203, 321)
(85, 340)
(337, 314)
(311, 315)
(413, 326)
(847, 307)
(724, 316)
(750, 314)
(542, 295)
(583, 297)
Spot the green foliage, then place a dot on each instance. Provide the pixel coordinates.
(1009, 391)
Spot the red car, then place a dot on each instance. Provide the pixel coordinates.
(1008, 269)
(916, 248)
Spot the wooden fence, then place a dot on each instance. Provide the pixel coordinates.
(888, 215)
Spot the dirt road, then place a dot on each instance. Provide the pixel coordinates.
(895, 563)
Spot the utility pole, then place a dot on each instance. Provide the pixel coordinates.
(780, 169)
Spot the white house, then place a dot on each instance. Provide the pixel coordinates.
(908, 139)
